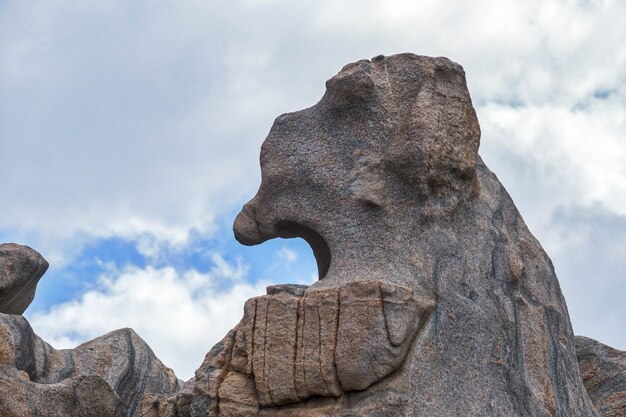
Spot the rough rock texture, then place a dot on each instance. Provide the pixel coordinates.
(603, 370)
(107, 376)
(434, 299)
(20, 270)
(294, 344)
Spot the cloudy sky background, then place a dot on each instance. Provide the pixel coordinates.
(130, 133)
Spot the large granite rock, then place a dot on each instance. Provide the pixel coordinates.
(603, 371)
(20, 270)
(104, 377)
(434, 299)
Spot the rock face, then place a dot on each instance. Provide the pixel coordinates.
(603, 371)
(434, 299)
(20, 270)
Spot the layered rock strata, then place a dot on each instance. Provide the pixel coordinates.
(434, 298)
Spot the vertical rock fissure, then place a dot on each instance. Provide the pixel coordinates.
(252, 341)
(336, 339)
(384, 313)
(295, 347)
(265, 361)
(320, 352)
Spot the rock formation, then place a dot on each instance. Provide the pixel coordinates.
(107, 376)
(434, 299)
(604, 374)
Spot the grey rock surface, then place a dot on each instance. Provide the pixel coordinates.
(434, 299)
(603, 370)
(104, 377)
(20, 270)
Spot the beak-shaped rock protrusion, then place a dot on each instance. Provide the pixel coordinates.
(246, 227)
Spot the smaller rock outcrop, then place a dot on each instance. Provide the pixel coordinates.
(603, 370)
(109, 374)
(105, 377)
(20, 270)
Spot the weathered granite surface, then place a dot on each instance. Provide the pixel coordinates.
(434, 298)
(20, 270)
(603, 370)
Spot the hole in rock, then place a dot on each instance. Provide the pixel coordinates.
(321, 251)
(281, 261)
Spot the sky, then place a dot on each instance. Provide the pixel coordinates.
(130, 136)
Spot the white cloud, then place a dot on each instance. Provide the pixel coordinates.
(287, 255)
(180, 313)
(115, 129)
(590, 263)
(580, 151)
